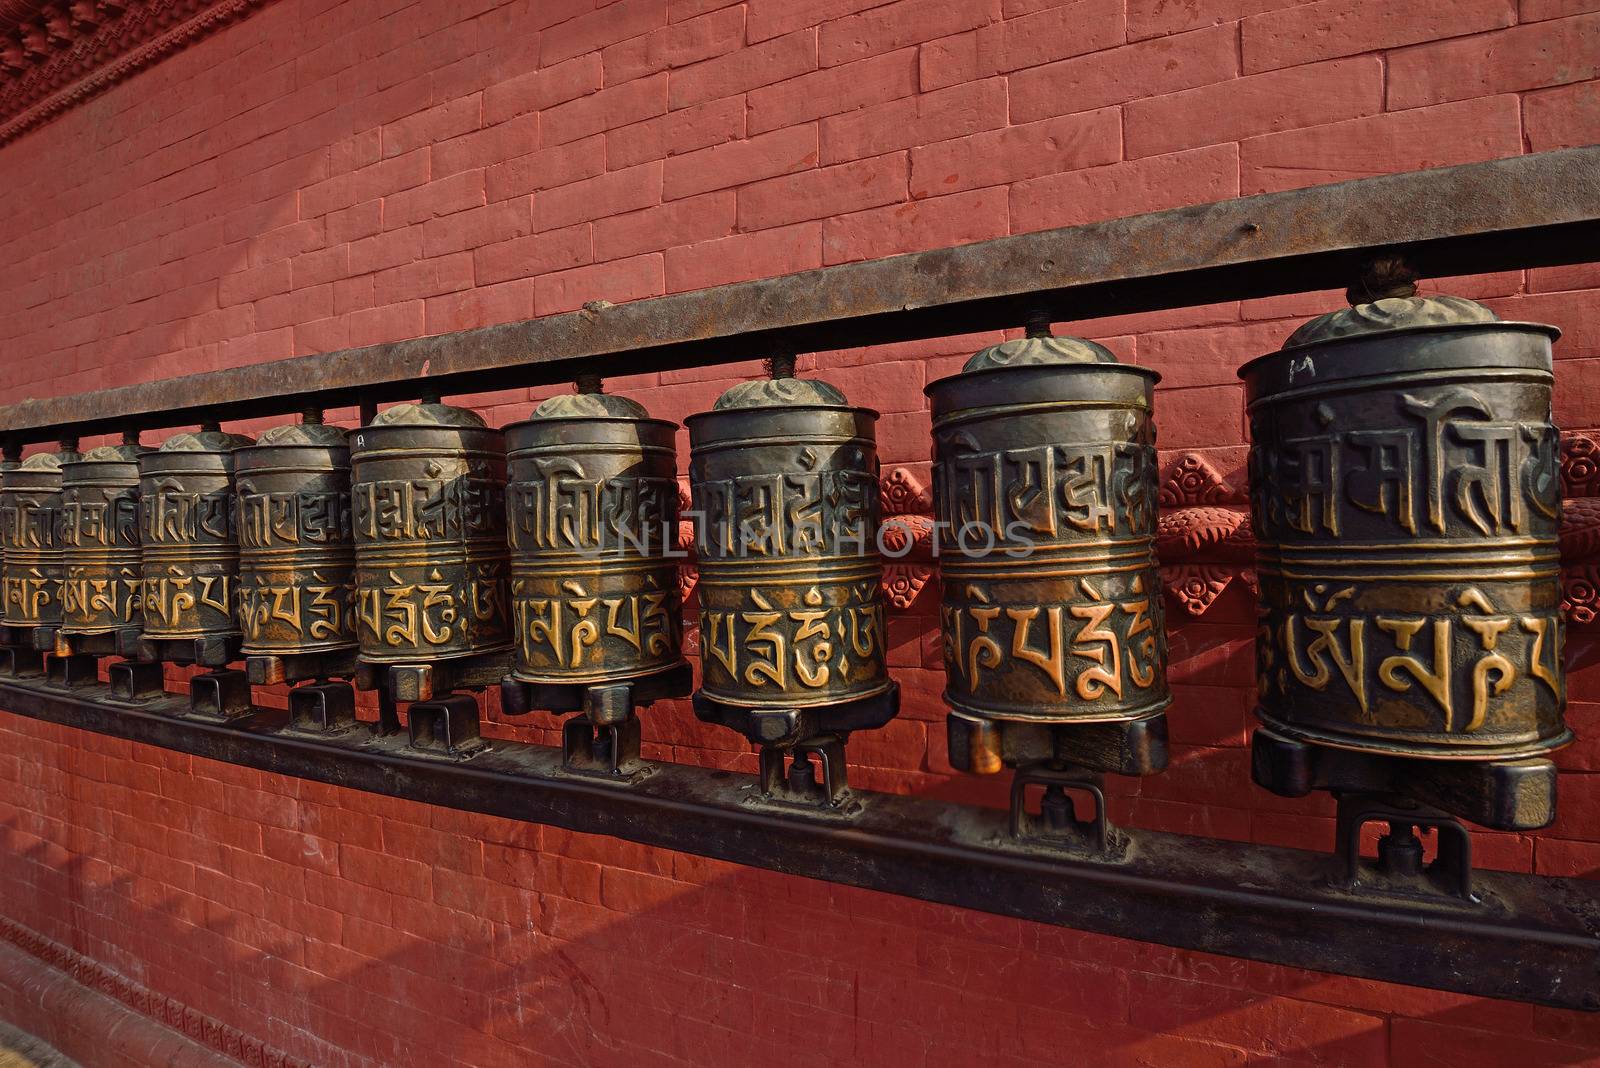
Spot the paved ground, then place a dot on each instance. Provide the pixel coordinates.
(21, 1050)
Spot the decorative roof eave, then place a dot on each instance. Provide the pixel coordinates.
(56, 54)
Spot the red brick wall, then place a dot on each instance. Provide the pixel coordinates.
(331, 174)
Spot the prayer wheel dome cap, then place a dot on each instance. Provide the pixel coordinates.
(1039, 351)
(780, 393)
(42, 461)
(590, 406)
(1395, 315)
(313, 434)
(428, 415)
(204, 441)
(115, 453)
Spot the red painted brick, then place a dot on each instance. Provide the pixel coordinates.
(823, 192)
(540, 89)
(1426, 1044)
(834, 91)
(591, 32)
(547, 168)
(681, 222)
(1538, 10)
(450, 119)
(1147, 69)
(389, 176)
(935, 223)
(482, 148)
(1072, 29)
(608, 109)
(706, 124)
(389, 249)
(1151, 184)
(928, 117)
(749, 68)
(618, 282)
(255, 283)
(424, 278)
(1157, 18)
(1488, 128)
(1562, 118)
(478, 226)
(677, 45)
(535, 254)
(770, 18)
(895, 25)
(392, 322)
(1328, 29)
(1523, 57)
(457, 192)
(740, 162)
(732, 259)
(996, 157)
(596, 198)
(357, 221)
(1262, 103)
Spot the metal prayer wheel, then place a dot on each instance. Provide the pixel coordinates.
(784, 479)
(30, 520)
(1405, 490)
(297, 561)
(1045, 500)
(189, 544)
(592, 511)
(428, 492)
(102, 591)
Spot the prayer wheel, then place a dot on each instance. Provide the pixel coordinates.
(102, 591)
(30, 519)
(592, 508)
(1405, 489)
(297, 557)
(429, 518)
(189, 545)
(1045, 506)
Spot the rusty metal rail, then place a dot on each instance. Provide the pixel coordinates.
(1535, 210)
(1529, 938)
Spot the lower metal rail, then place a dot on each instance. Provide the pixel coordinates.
(1526, 938)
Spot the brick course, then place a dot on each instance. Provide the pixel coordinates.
(326, 174)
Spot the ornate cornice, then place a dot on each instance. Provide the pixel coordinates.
(56, 54)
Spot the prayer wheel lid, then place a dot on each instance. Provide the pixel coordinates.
(780, 393)
(313, 434)
(590, 406)
(1387, 315)
(204, 441)
(42, 461)
(115, 453)
(428, 414)
(1039, 351)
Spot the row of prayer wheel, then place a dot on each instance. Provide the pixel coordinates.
(1404, 484)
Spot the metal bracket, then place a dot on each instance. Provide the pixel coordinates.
(446, 726)
(787, 776)
(1399, 868)
(223, 695)
(1057, 821)
(322, 708)
(137, 680)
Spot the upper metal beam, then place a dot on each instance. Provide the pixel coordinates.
(1535, 210)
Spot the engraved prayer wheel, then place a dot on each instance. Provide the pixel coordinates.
(189, 545)
(297, 559)
(1405, 490)
(784, 479)
(102, 590)
(592, 512)
(1045, 497)
(429, 517)
(30, 520)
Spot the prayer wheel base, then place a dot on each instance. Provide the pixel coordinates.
(136, 680)
(272, 669)
(73, 669)
(422, 680)
(1057, 822)
(322, 708)
(447, 727)
(604, 740)
(19, 661)
(212, 650)
(1123, 747)
(220, 696)
(1504, 795)
(123, 643)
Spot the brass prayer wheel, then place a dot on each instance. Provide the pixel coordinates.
(102, 590)
(30, 520)
(189, 546)
(1405, 489)
(592, 510)
(784, 479)
(1045, 505)
(428, 491)
(297, 559)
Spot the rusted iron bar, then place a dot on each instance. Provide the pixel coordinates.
(1530, 939)
(1535, 210)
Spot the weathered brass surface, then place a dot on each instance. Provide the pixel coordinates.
(1406, 495)
(1045, 486)
(30, 520)
(297, 557)
(189, 546)
(103, 588)
(592, 510)
(784, 480)
(428, 489)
